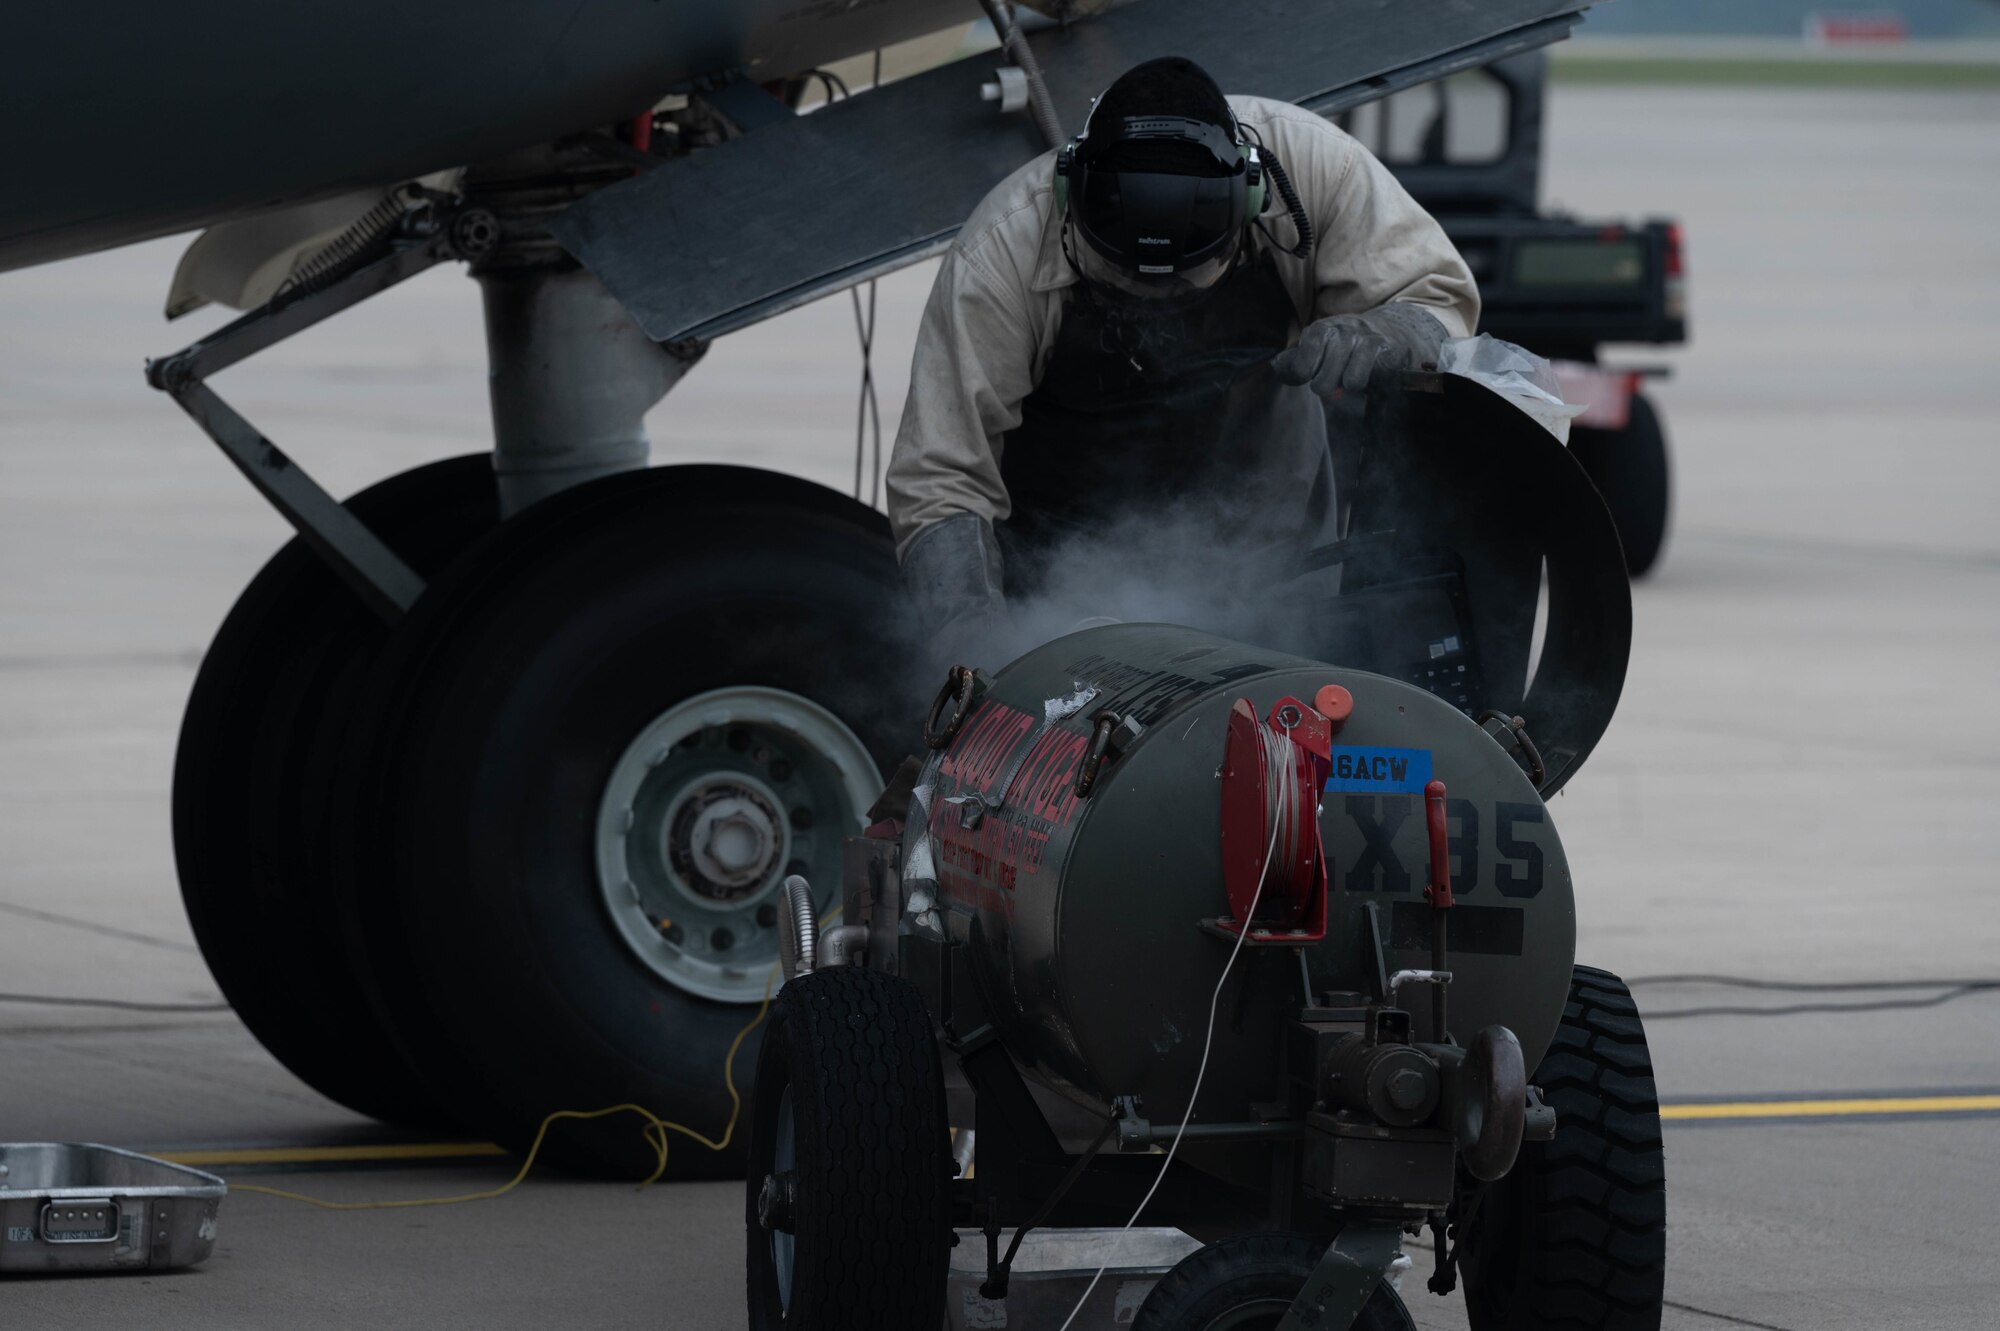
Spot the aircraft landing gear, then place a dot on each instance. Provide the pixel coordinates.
(499, 823)
(596, 756)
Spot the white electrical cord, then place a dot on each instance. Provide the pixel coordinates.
(1276, 761)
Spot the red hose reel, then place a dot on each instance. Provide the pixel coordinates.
(1273, 865)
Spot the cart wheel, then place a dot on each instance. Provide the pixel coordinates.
(599, 750)
(276, 695)
(1246, 1282)
(1631, 470)
(1574, 1237)
(848, 1217)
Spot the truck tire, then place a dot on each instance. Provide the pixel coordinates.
(1631, 469)
(1246, 1282)
(848, 1214)
(1574, 1238)
(275, 695)
(617, 669)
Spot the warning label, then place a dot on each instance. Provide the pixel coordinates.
(1360, 769)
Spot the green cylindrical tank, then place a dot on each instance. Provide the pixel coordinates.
(1083, 915)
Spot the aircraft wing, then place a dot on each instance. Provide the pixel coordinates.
(802, 206)
(126, 121)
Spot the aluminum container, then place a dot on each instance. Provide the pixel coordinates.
(1053, 1271)
(72, 1206)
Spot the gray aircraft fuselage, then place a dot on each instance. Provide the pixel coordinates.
(123, 122)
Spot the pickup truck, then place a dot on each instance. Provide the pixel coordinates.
(1468, 147)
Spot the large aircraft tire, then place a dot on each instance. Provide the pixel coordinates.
(1632, 470)
(258, 746)
(597, 754)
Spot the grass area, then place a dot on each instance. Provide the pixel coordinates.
(1799, 73)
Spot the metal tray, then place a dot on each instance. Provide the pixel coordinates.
(72, 1206)
(1053, 1270)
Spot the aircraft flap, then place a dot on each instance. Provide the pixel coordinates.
(796, 210)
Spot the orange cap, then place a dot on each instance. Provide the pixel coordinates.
(1334, 703)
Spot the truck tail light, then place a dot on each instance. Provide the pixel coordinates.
(1675, 287)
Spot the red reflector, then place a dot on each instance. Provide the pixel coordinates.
(1674, 250)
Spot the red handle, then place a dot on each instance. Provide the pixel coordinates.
(1439, 891)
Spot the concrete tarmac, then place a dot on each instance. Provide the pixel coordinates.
(1800, 782)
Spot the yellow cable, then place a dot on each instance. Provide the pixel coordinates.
(656, 1132)
(655, 1138)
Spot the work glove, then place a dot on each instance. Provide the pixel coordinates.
(953, 571)
(1345, 351)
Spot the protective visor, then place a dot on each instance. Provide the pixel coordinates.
(1160, 195)
(1155, 289)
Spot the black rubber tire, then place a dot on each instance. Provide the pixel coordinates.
(1575, 1237)
(259, 743)
(1244, 1271)
(499, 716)
(1632, 470)
(871, 1232)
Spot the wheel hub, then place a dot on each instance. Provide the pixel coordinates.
(778, 1201)
(706, 812)
(726, 841)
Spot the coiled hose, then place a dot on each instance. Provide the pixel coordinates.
(1287, 811)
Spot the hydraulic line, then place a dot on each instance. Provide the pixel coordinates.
(1040, 105)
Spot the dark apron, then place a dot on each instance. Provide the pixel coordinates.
(1166, 432)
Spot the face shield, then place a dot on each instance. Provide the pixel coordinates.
(1159, 204)
(1164, 289)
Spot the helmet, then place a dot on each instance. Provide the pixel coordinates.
(1160, 183)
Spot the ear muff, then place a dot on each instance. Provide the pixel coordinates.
(1253, 185)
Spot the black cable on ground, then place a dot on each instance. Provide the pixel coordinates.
(123, 1005)
(1810, 986)
(1948, 990)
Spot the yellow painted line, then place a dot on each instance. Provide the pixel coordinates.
(320, 1155)
(1902, 1104)
(1735, 1109)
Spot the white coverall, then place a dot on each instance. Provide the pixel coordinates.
(998, 301)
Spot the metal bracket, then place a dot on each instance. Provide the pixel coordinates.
(1511, 734)
(1340, 1286)
(1375, 952)
(746, 105)
(373, 571)
(998, 1273)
